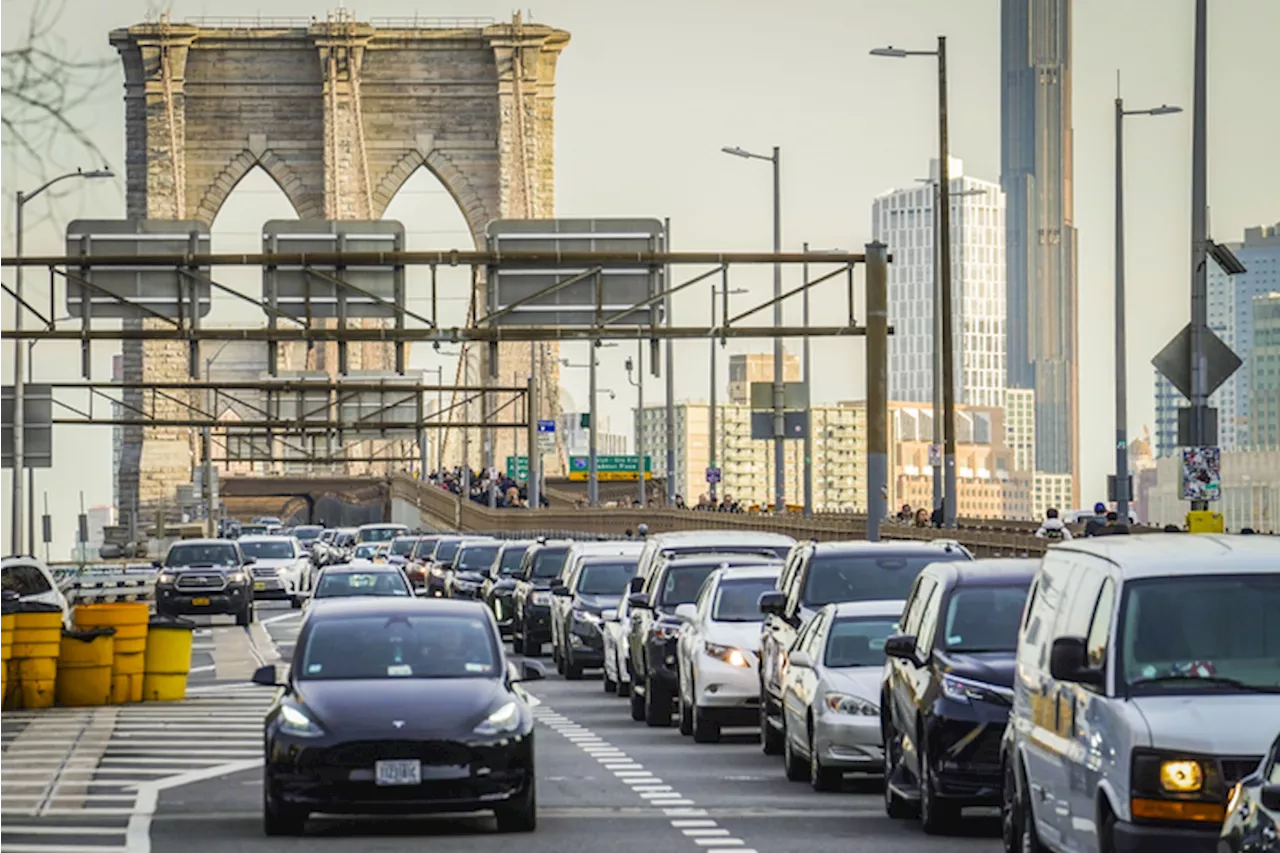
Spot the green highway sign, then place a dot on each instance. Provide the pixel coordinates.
(609, 467)
(518, 467)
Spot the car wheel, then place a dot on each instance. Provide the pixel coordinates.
(280, 819)
(559, 661)
(517, 642)
(686, 715)
(937, 817)
(572, 669)
(610, 686)
(894, 805)
(521, 815)
(1017, 823)
(797, 768)
(770, 738)
(295, 602)
(637, 706)
(705, 729)
(244, 617)
(657, 705)
(624, 687)
(822, 778)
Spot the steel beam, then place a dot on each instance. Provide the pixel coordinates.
(442, 336)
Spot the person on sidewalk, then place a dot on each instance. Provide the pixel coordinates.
(1053, 527)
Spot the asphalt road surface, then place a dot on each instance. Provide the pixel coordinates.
(604, 782)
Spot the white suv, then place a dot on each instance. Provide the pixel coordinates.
(1146, 686)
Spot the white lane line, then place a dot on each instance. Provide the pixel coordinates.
(692, 822)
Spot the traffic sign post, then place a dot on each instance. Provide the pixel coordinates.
(609, 467)
(518, 467)
(713, 475)
(546, 435)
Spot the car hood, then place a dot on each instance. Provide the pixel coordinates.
(740, 635)
(428, 707)
(596, 603)
(468, 575)
(1215, 724)
(274, 562)
(504, 583)
(860, 681)
(989, 667)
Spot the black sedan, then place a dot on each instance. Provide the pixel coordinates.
(399, 706)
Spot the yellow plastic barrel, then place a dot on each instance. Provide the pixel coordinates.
(37, 639)
(129, 619)
(168, 660)
(84, 667)
(7, 622)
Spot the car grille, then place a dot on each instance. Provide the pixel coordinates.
(201, 582)
(430, 752)
(1235, 769)
(265, 572)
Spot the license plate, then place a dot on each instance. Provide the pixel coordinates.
(398, 772)
(258, 586)
(200, 602)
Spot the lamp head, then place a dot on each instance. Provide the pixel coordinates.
(890, 52)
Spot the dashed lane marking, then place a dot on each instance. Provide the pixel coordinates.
(692, 822)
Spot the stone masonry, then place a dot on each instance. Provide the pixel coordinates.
(339, 113)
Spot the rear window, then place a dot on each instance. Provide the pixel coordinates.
(422, 550)
(548, 562)
(836, 578)
(682, 585)
(606, 578)
(202, 555)
(403, 547)
(347, 584)
(475, 558)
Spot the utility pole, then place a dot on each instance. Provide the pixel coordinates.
(877, 387)
(1200, 411)
(671, 376)
(535, 452)
(951, 499)
(19, 396)
(639, 419)
(593, 472)
(779, 378)
(711, 413)
(808, 395)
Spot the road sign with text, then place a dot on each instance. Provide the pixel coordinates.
(608, 467)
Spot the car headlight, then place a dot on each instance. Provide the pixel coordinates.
(842, 703)
(542, 598)
(728, 654)
(1181, 776)
(505, 719)
(293, 721)
(587, 616)
(165, 577)
(236, 577)
(661, 631)
(1168, 786)
(966, 690)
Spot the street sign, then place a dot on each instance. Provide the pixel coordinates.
(547, 435)
(518, 467)
(1201, 474)
(165, 290)
(1174, 361)
(935, 455)
(316, 289)
(713, 475)
(608, 467)
(588, 297)
(37, 427)
(795, 396)
(794, 425)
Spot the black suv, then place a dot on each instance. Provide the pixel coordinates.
(205, 576)
(436, 569)
(948, 689)
(539, 568)
(470, 568)
(595, 585)
(655, 629)
(499, 588)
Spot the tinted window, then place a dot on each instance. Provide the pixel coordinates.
(267, 550)
(422, 550)
(681, 585)
(361, 583)
(381, 534)
(858, 641)
(399, 647)
(1182, 630)
(739, 600)
(474, 558)
(403, 547)
(308, 532)
(253, 529)
(446, 550)
(984, 618)
(863, 577)
(202, 555)
(605, 578)
(548, 562)
(366, 551)
(25, 580)
(511, 557)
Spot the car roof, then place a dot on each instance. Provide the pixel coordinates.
(988, 572)
(1150, 555)
(480, 540)
(593, 548)
(593, 559)
(382, 524)
(725, 561)
(388, 605)
(897, 546)
(265, 537)
(765, 571)
(868, 608)
(720, 537)
(208, 541)
(361, 569)
(518, 543)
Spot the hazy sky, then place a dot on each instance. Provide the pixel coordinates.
(648, 93)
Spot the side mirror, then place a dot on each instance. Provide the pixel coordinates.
(636, 584)
(249, 561)
(772, 603)
(800, 660)
(609, 615)
(266, 676)
(155, 564)
(1270, 796)
(532, 670)
(638, 601)
(1068, 661)
(559, 589)
(901, 646)
(687, 612)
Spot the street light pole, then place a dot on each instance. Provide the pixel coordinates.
(808, 388)
(711, 412)
(639, 419)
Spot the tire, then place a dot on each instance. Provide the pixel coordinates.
(894, 806)
(937, 817)
(657, 705)
(245, 617)
(637, 707)
(822, 778)
(572, 670)
(517, 642)
(685, 713)
(797, 769)
(295, 602)
(610, 686)
(279, 819)
(520, 815)
(770, 738)
(1017, 825)
(705, 729)
(624, 689)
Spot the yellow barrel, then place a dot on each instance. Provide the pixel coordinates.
(37, 639)
(129, 619)
(7, 622)
(84, 667)
(168, 660)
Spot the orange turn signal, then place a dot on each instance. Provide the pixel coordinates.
(1178, 810)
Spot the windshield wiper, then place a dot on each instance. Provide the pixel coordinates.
(1219, 680)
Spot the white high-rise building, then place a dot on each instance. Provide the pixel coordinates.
(904, 221)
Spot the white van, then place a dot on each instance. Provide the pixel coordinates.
(1147, 684)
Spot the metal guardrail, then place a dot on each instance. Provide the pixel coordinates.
(105, 583)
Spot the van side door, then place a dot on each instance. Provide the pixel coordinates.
(777, 634)
(1093, 718)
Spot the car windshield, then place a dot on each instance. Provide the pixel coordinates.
(682, 585)
(511, 559)
(308, 532)
(218, 554)
(859, 641)
(381, 534)
(606, 578)
(866, 577)
(1202, 633)
(366, 647)
(476, 558)
(267, 550)
(424, 546)
(367, 551)
(252, 529)
(342, 584)
(547, 563)
(445, 550)
(403, 547)
(738, 600)
(985, 618)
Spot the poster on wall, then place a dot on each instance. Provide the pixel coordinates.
(1201, 474)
